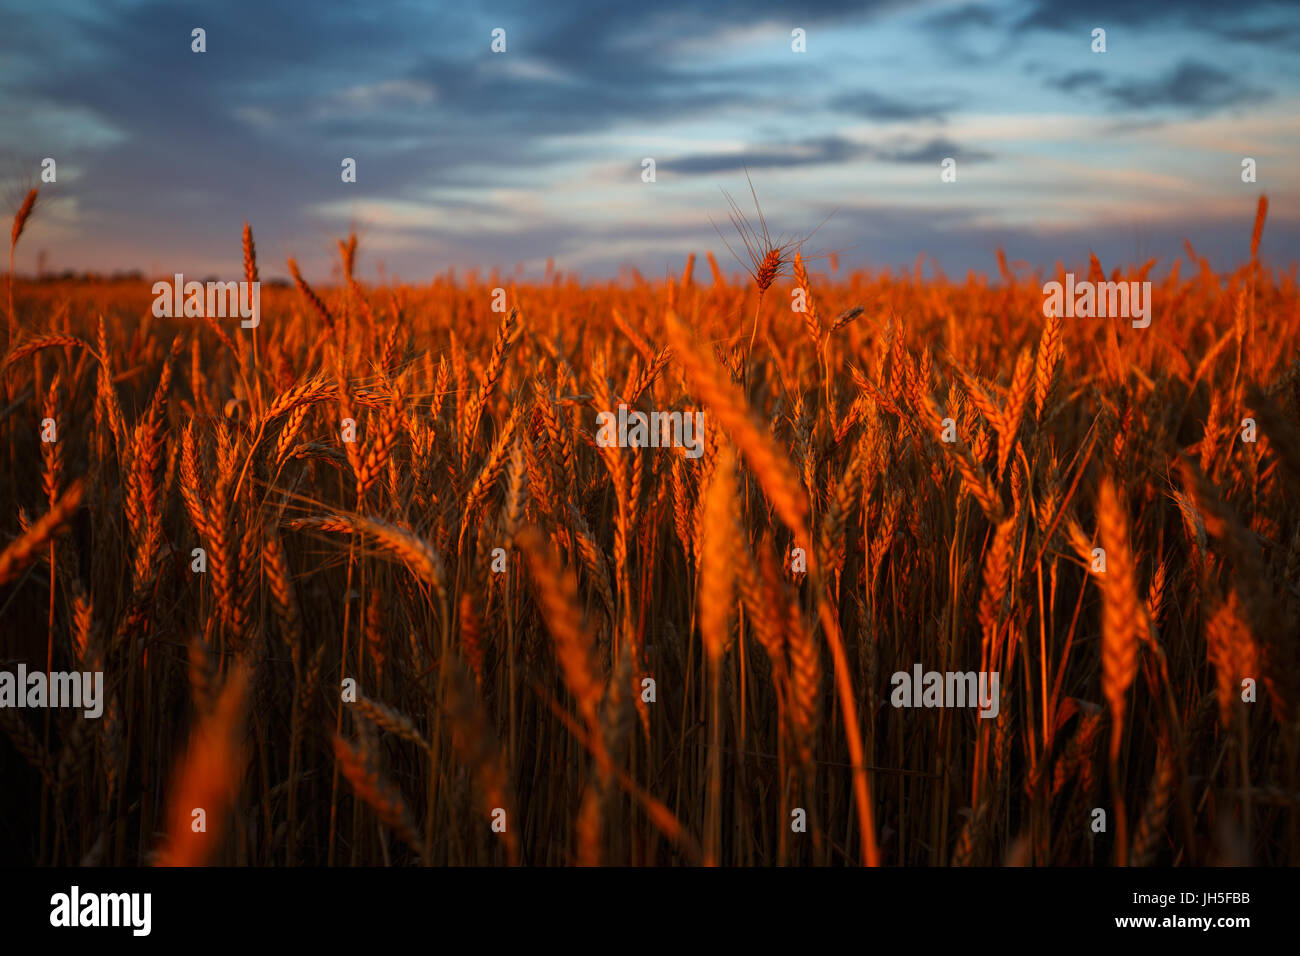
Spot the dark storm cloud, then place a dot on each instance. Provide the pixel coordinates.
(260, 121)
(170, 151)
(610, 65)
(581, 67)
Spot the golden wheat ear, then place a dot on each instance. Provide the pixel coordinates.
(207, 779)
(21, 219)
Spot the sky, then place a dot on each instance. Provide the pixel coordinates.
(470, 158)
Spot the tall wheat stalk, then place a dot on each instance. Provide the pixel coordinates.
(20, 222)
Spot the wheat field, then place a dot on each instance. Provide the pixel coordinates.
(476, 636)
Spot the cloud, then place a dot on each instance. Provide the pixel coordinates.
(1285, 35)
(1189, 85)
(967, 17)
(1194, 85)
(491, 157)
(910, 150)
(370, 96)
(1078, 80)
(1201, 14)
(827, 149)
(880, 107)
(970, 34)
(824, 150)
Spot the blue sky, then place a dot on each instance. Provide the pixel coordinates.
(470, 158)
